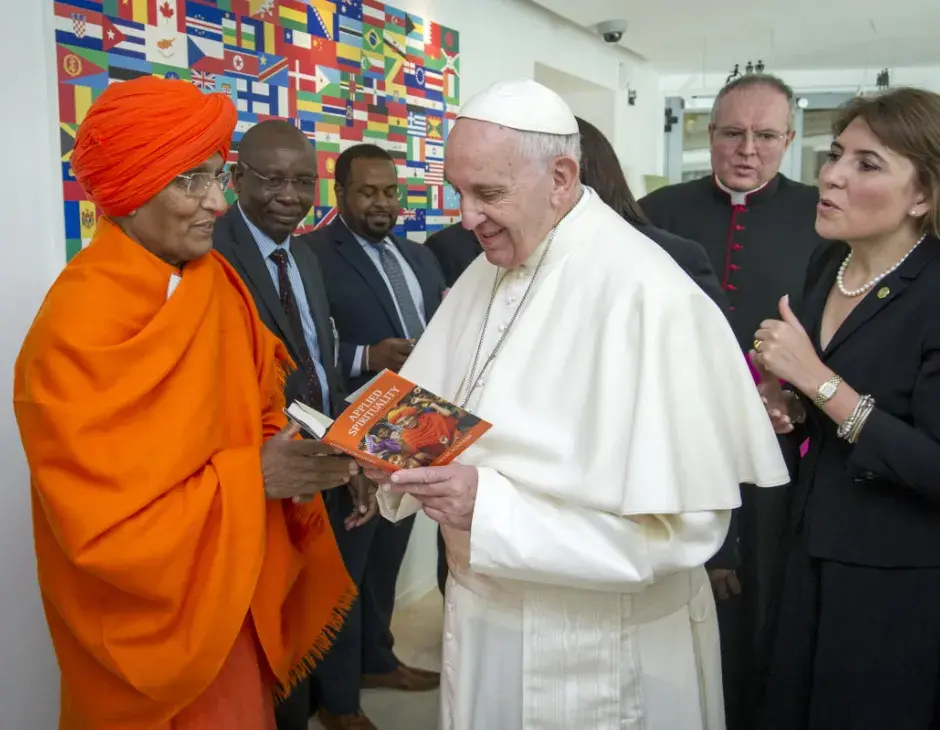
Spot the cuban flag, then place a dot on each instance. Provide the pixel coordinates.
(124, 37)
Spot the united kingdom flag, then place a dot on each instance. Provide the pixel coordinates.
(203, 80)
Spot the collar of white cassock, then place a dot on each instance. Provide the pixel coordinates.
(563, 239)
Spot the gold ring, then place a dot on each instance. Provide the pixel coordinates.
(757, 345)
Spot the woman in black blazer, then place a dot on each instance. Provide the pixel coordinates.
(855, 642)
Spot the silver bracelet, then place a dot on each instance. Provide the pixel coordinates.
(852, 426)
(849, 423)
(861, 421)
(846, 425)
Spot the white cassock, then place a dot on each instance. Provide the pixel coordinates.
(624, 418)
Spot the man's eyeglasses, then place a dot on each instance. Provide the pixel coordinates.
(764, 139)
(276, 183)
(197, 184)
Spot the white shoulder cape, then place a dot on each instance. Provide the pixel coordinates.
(620, 388)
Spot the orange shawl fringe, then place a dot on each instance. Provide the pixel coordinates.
(142, 418)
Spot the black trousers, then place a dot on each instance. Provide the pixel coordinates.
(294, 713)
(853, 647)
(373, 555)
(761, 521)
(441, 562)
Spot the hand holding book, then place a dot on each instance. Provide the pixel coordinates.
(298, 469)
(393, 424)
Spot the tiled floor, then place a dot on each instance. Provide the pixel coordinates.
(417, 632)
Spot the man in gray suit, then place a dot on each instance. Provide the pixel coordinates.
(276, 180)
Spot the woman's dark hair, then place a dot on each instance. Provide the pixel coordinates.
(906, 121)
(600, 170)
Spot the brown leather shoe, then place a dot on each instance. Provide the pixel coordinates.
(344, 722)
(425, 673)
(404, 678)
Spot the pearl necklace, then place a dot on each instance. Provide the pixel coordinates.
(866, 287)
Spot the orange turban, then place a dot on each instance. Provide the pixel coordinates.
(401, 413)
(140, 134)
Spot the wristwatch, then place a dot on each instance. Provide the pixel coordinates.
(826, 391)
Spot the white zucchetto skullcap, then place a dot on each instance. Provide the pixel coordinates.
(522, 104)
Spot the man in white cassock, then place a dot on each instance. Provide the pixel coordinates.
(624, 418)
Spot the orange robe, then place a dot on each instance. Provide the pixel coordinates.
(239, 697)
(142, 418)
(426, 436)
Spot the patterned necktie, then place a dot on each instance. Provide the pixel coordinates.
(396, 277)
(289, 304)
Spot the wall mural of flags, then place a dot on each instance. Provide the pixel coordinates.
(343, 71)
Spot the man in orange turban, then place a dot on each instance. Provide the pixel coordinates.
(186, 566)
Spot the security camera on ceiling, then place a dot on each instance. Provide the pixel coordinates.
(611, 30)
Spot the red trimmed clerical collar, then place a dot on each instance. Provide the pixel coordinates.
(736, 197)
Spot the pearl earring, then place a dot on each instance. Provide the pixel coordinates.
(914, 213)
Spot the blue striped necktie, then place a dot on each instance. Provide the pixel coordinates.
(396, 277)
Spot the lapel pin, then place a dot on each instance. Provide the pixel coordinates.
(883, 292)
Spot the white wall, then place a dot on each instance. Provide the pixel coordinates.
(33, 251)
(590, 101)
(634, 130)
(852, 79)
(599, 107)
(640, 139)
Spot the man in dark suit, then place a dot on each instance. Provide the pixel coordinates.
(455, 248)
(382, 292)
(276, 179)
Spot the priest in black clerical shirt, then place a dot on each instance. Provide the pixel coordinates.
(758, 228)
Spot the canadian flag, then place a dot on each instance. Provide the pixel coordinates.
(167, 14)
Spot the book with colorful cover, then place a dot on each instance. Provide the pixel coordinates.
(393, 424)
